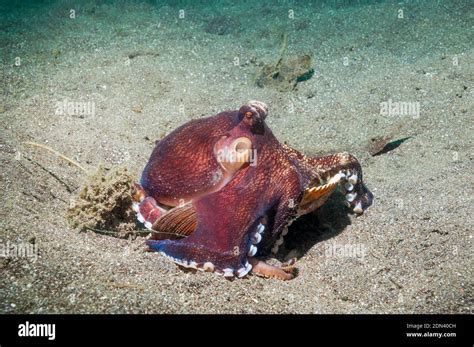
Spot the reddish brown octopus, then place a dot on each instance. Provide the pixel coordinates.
(220, 192)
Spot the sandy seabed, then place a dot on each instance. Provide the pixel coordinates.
(139, 71)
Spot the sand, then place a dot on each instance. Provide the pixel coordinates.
(140, 71)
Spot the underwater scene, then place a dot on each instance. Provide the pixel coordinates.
(236, 156)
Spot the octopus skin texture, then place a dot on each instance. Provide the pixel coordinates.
(219, 193)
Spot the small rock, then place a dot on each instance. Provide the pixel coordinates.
(137, 109)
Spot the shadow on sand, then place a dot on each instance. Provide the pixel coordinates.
(327, 222)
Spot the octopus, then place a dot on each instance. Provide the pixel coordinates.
(219, 193)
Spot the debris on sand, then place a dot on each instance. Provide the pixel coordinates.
(104, 204)
(135, 54)
(285, 74)
(384, 144)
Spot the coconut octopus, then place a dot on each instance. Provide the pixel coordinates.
(219, 193)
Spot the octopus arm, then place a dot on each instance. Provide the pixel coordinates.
(345, 169)
(226, 224)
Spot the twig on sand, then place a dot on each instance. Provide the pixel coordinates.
(24, 167)
(68, 188)
(141, 54)
(135, 232)
(399, 286)
(284, 46)
(114, 233)
(128, 286)
(62, 156)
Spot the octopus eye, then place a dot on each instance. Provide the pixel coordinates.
(248, 114)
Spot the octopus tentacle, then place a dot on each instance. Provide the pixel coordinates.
(344, 169)
(223, 243)
(260, 268)
(186, 253)
(341, 168)
(146, 207)
(286, 211)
